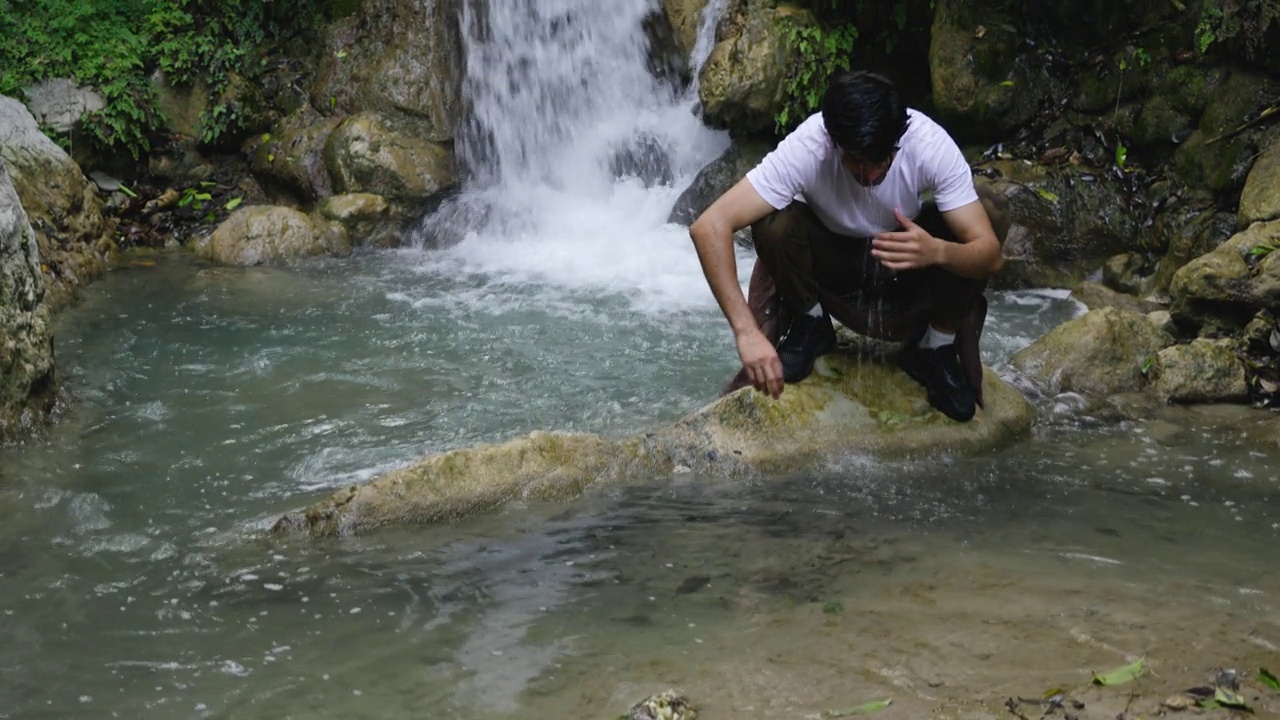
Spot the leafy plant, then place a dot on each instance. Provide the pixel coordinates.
(115, 45)
(823, 52)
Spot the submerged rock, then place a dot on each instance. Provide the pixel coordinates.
(847, 406)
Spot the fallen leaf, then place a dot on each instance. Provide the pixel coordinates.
(1229, 698)
(864, 709)
(1120, 675)
(982, 30)
(1266, 678)
(143, 263)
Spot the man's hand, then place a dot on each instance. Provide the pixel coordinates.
(909, 248)
(761, 362)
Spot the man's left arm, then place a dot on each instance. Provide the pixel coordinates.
(976, 254)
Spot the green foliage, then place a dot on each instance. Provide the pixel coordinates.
(114, 45)
(1246, 21)
(823, 52)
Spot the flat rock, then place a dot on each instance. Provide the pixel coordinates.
(848, 406)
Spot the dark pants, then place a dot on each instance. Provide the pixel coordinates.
(800, 262)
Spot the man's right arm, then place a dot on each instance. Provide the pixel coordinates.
(712, 235)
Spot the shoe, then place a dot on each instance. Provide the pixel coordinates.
(807, 338)
(939, 371)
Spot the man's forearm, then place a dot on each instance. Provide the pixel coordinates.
(978, 260)
(714, 244)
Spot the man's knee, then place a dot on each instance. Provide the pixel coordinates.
(773, 229)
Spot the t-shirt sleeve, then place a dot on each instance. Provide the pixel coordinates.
(785, 173)
(952, 178)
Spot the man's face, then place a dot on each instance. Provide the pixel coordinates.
(868, 174)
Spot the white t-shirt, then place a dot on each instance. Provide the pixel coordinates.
(806, 166)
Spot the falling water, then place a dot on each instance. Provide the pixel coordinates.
(575, 154)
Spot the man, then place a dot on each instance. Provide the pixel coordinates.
(841, 228)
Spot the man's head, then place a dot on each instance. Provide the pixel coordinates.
(865, 117)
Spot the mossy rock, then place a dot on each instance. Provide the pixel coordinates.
(849, 405)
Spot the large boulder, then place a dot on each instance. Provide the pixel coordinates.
(744, 81)
(1260, 199)
(394, 57)
(716, 178)
(371, 153)
(360, 218)
(1066, 222)
(685, 17)
(62, 205)
(1223, 290)
(269, 235)
(27, 377)
(1200, 371)
(1218, 155)
(1201, 233)
(847, 406)
(289, 160)
(1102, 352)
(981, 90)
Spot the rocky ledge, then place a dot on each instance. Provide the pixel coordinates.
(851, 404)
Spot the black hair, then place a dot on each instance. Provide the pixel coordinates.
(864, 114)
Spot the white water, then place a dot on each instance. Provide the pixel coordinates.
(558, 88)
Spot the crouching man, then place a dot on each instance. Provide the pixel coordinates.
(867, 213)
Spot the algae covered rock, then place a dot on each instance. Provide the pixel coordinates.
(27, 373)
(266, 235)
(1260, 199)
(744, 82)
(847, 406)
(370, 153)
(1102, 352)
(1200, 371)
(1225, 288)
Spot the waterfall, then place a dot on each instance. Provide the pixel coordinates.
(574, 154)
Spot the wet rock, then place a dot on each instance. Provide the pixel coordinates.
(667, 59)
(715, 179)
(1204, 231)
(684, 16)
(744, 81)
(1222, 290)
(847, 406)
(1096, 296)
(369, 153)
(646, 158)
(1213, 159)
(27, 374)
(394, 57)
(1127, 273)
(1066, 222)
(181, 105)
(362, 218)
(1099, 353)
(264, 235)
(289, 160)
(981, 89)
(1200, 371)
(1260, 199)
(62, 205)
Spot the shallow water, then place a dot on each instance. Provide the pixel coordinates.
(209, 400)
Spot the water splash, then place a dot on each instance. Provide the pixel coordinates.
(575, 154)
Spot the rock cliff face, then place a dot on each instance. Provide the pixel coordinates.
(27, 380)
(62, 205)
